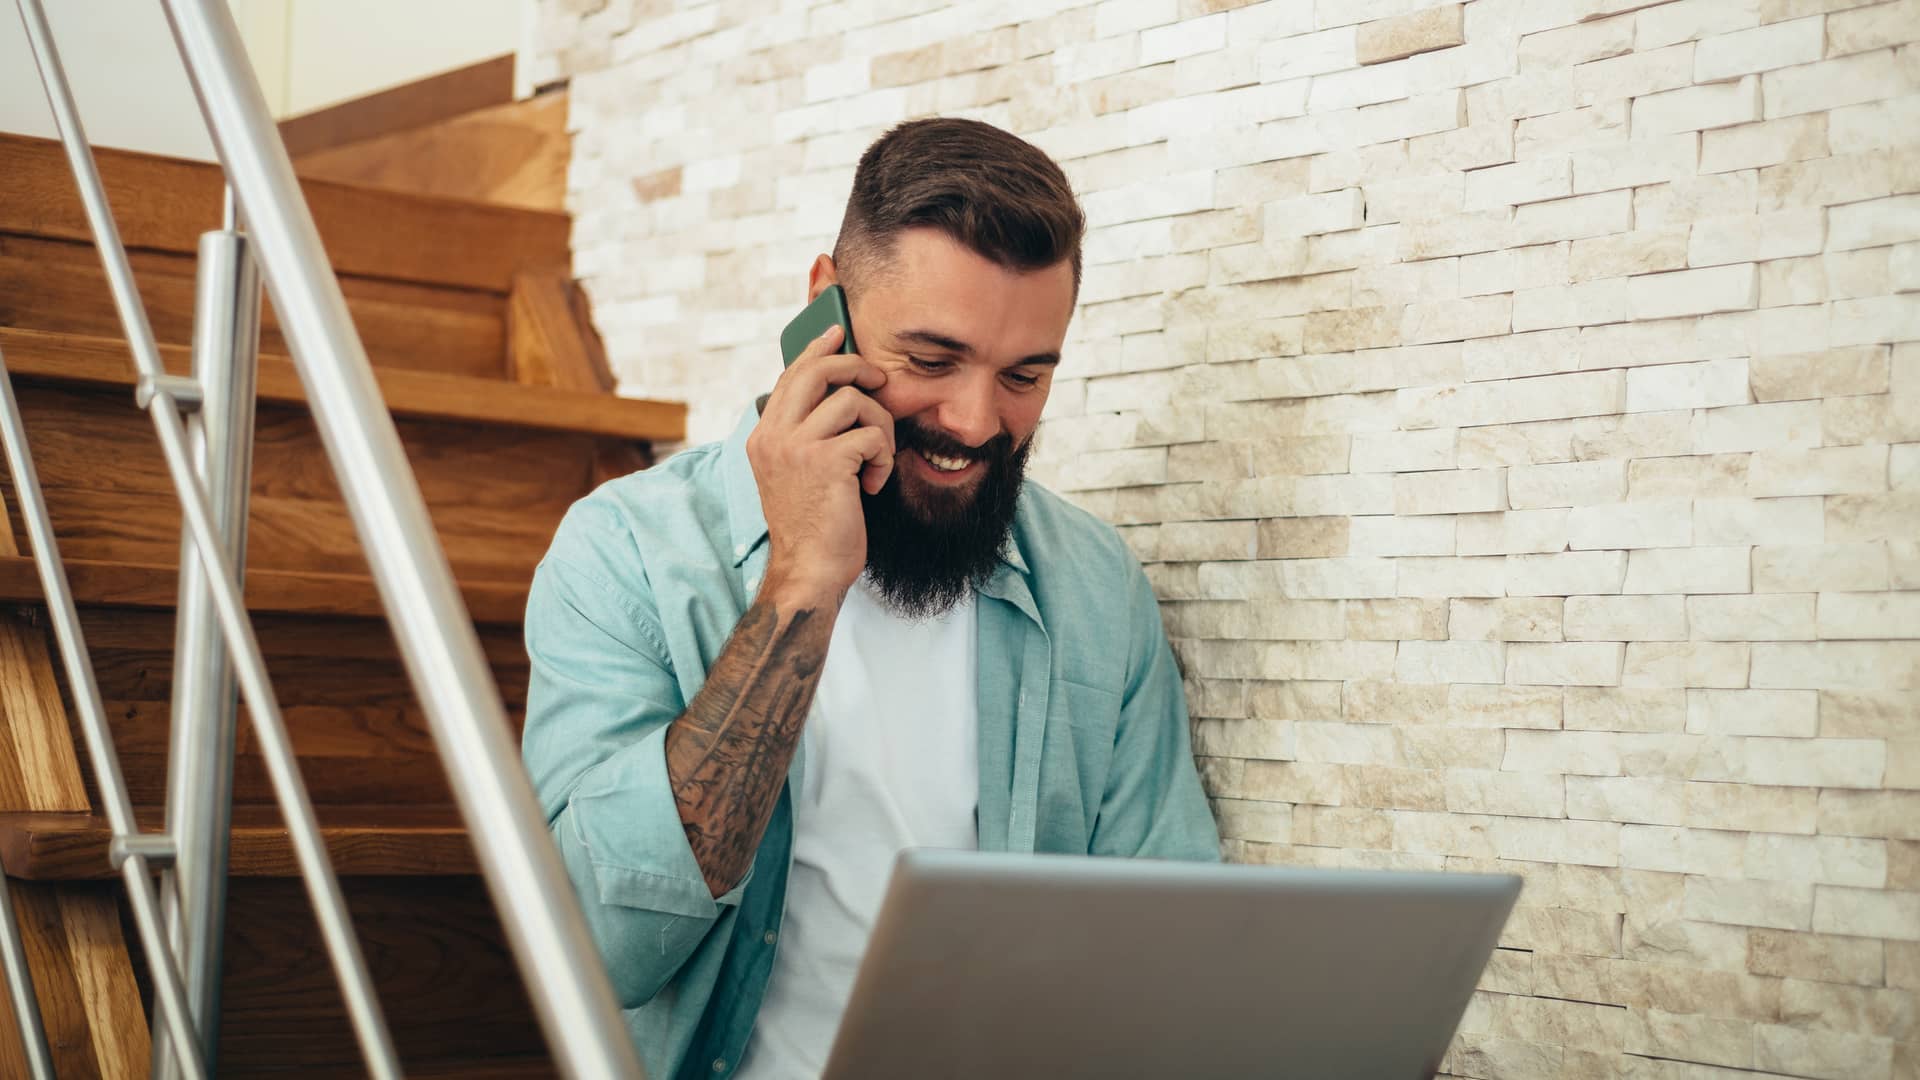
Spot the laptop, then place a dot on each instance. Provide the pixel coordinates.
(995, 965)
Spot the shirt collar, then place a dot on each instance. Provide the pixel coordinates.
(747, 522)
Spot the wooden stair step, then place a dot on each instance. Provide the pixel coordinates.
(424, 102)
(439, 961)
(356, 724)
(60, 286)
(459, 134)
(499, 1068)
(32, 354)
(494, 496)
(156, 585)
(362, 841)
(514, 153)
(164, 204)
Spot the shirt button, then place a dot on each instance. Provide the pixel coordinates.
(753, 583)
(738, 550)
(770, 937)
(719, 1065)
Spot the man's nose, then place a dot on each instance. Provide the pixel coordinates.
(969, 414)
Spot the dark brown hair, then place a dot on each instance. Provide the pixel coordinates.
(994, 192)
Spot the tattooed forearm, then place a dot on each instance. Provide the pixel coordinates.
(728, 754)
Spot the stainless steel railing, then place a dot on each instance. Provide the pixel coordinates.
(193, 893)
(442, 653)
(26, 1007)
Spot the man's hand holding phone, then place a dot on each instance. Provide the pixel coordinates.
(820, 441)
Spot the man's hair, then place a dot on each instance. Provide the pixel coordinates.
(993, 192)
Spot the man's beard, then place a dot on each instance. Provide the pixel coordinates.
(926, 553)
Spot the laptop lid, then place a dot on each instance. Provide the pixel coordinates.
(988, 964)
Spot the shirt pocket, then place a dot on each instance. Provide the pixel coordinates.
(1077, 755)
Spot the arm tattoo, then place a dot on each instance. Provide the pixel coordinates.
(727, 755)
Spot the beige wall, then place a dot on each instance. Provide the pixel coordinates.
(126, 78)
(1523, 435)
(315, 53)
(133, 92)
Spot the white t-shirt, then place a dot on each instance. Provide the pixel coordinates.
(892, 761)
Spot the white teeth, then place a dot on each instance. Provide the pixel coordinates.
(945, 464)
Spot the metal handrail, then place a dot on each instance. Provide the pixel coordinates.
(200, 759)
(26, 1007)
(157, 395)
(570, 989)
(530, 886)
(133, 858)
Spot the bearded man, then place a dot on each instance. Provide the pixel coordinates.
(765, 667)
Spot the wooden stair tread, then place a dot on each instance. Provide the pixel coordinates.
(164, 204)
(362, 841)
(512, 152)
(503, 1068)
(34, 354)
(498, 1069)
(59, 286)
(147, 585)
(439, 960)
(434, 99)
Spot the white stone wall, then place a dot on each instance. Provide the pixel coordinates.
(1517, 404)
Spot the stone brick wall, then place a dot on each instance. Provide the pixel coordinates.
(1517, 404)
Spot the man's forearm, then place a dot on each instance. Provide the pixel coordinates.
(727, 755)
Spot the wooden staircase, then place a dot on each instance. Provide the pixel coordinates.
(465, 312)
(459, 133)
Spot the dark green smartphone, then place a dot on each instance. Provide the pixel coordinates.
(828, 308)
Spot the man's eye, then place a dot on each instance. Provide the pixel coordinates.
(1022, 380)
(929, 366)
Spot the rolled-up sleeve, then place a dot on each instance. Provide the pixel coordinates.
(1153, 806)
(600, 695)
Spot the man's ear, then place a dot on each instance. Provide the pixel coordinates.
(822, 274)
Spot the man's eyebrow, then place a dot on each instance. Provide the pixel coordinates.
(935, 340)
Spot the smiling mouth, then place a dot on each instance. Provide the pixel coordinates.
(943, 469)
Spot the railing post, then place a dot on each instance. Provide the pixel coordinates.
(569, 987)
(169, 995)
(164, 397)
(566, 979)
(26, 1007)
(226, 339)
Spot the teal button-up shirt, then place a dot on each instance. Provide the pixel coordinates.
(1083, 728)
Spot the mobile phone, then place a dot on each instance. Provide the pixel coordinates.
(828, 308)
